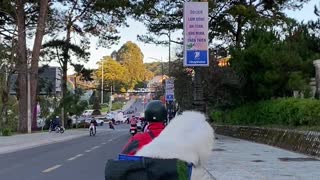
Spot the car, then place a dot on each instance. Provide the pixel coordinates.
(87, 112)
(100, 120)
(110, 116)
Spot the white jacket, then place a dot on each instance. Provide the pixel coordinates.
(188, 137)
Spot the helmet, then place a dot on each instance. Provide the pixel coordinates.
(155, 112)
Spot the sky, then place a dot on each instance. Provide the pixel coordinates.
(151, 51)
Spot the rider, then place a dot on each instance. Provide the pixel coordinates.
(55, 122)
(133, 121)
(94, 122)
(156, 115)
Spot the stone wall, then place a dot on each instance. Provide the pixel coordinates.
(306, 142)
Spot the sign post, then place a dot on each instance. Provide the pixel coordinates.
(195, 23)
(169, 90)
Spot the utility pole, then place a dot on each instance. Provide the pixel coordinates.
(169, 68)
(29, 102)
(102, 75)
(110, 101)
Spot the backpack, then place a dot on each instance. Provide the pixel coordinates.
(144, 168)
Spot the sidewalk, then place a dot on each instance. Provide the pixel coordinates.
(26, 141)
(235, 159)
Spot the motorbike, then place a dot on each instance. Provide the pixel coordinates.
(57, 129)
(92, 129)
(139, 125)
(111, 125)
(133, 130)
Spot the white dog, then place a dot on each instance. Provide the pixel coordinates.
(188, 137)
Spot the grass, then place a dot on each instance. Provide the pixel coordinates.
(104, 109)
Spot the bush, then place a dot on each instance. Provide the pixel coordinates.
(116, 106)
(288, 112)
(216, 116)
(6, 132)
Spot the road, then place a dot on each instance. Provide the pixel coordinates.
(137, 107)
(81, 159)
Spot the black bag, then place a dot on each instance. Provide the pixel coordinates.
(142, 168)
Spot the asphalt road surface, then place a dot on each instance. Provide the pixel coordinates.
(81, 159)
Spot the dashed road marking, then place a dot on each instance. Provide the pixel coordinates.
(88, 150)
(75, 157)
(52, 168)
(103, 143)
(95, 147)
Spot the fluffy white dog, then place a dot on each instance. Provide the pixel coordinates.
(188, 137)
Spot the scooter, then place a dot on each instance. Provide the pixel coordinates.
(133, 130)
(92, 130)
(57, 129)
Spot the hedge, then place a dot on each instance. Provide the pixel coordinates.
(286, 112)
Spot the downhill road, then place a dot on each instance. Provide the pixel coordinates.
(81, 159)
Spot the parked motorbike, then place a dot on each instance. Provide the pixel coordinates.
(92, 129)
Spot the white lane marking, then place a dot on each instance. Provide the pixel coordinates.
(88, 150)
(95, 147)
(75, 157)
(103, 143)
(52, 168)
(110, 140)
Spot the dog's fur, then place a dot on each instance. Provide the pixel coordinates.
(188, 137)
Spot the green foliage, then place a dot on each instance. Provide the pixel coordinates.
(72, 103)
(228, 20)
(96, 104)
(158, 68)
(114, 74)
(289, 112)
(124, 69)
(6, 132)
(273, 67)
(183, 85)
(131, 57)
(116, 106)
(216, 116)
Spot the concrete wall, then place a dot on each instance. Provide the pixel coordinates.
(299, 141)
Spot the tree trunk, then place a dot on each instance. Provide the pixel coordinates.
(64, 71)
(41, 24)
(22, 66)
(64, 90)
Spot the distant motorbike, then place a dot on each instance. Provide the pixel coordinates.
(92, 129)
(111, 126)
(133, 130)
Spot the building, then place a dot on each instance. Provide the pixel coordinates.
(49, 81)
(155, 82)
